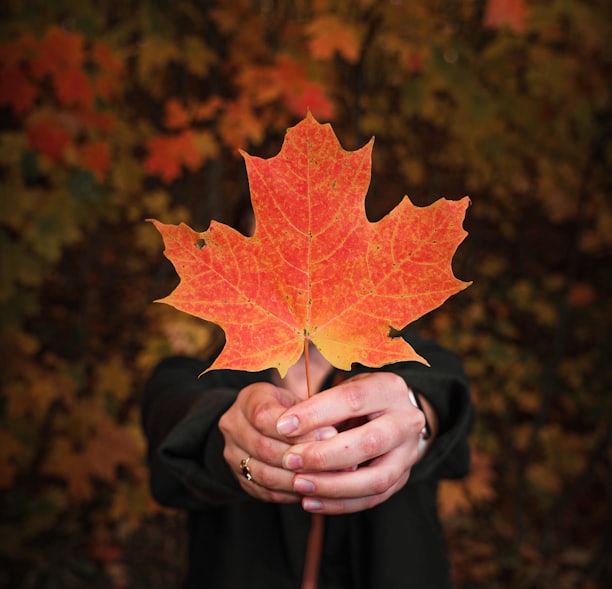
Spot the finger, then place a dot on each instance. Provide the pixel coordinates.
(356, 446)
(323, 433)
(264, 404)
(341, 506)
(368, 395)
(264, 481)
(380, 476)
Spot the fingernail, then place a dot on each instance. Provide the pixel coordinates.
(310, 504)
(326, 433)
(286, 424)
(303, 486)
(293, 462)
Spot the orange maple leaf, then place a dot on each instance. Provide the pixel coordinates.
(315, 268)
(176, 116)
(328, 35)
(96, 157)
(57, 51)
(16, 90)
(108, 78)
(310, 97)
(49, 138)
(301, 95)
(73, 87)
(168, 153)
(510, 13)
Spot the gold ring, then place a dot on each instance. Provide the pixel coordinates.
(244, 467)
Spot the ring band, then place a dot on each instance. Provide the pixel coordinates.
(244, 467)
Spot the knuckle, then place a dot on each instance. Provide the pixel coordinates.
(383, 482)
(223, 423)
(373, 442)
(355, 398)
(314, 458)
(266, 478)
(260, 416)
(264, 449)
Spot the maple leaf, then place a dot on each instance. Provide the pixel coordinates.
(110, 71)
(16, 89)
(73, 87)
(168, 153)
(176, 116)
(96, 157)
(316, 269)
(57, 51)
(510, 13)
(300, 94)
(328, 35)
(49, 138)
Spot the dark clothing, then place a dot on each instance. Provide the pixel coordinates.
(237, 541)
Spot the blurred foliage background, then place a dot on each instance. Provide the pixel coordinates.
(119, 111)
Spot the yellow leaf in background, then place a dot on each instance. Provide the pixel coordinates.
(328, 35)
(114, 378)
(528, 400)
(12, 146)
(38, 388)
(154, 54)
(206, 144)
(477, 487)
(198, 58)
(126, 175)
(544, 477)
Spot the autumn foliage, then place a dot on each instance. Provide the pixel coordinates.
(117, 112)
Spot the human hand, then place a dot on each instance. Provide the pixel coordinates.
(249, 429)
(361, 466)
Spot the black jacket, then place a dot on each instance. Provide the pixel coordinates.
(239, 542)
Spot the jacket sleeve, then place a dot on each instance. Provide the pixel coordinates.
(180, 414)
(445, 385)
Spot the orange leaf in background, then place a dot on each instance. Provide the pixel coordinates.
(328, 35)
(300, 94)
(73, 87)
(208, 109)
(98, 455)
(16, 90)
(511, 13)
(102, 121)
(57, 51)
(168, 153)
(162, 159)
(238, 124)
(176, 117)
(315, 268)
(96, 157)
(107, 80)
(310, 97)
(49, 138)
(187, 146)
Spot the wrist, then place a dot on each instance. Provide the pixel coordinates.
(427, 432)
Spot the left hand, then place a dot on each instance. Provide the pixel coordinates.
(362, 466)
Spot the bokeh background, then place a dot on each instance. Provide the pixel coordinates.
(114, 112)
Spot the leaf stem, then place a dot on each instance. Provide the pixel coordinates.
(314, 546)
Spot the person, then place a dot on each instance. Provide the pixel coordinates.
(250, 457)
